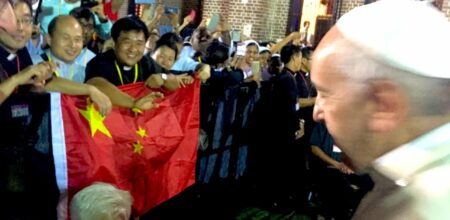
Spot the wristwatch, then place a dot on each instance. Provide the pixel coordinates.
(164, 76)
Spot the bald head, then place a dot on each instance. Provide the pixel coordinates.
(65, 38)
(63, 21)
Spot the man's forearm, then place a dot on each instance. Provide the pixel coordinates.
(6, 88)
(323, 156)
(68, 87)
(117, 97)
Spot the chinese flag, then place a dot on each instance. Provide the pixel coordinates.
(150, 154)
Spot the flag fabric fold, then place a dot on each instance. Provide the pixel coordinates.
(152, 154)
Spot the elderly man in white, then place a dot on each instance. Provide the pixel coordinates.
(385, 100)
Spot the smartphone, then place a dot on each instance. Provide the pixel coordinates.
(213, 22)
(256, 70)
(168, 10)
(192, 14)
(241, 49)
(145, 2)
(236, 35)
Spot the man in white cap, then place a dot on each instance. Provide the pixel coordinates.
(384, 98)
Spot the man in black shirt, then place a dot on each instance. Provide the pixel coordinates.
(127, 64)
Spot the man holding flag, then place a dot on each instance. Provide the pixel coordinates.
(152, 153)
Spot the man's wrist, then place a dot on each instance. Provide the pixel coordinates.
(164, 76)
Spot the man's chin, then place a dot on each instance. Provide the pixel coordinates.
(20, 45)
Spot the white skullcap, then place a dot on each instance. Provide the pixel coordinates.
(262, 49)
(247, 42)
(411, 35)
(276, 55)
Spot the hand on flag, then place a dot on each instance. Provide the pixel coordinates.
(103, 102)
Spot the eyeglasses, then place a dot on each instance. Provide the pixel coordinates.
(25, 21)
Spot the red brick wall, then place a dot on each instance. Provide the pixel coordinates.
(347, 5)
(268, 17)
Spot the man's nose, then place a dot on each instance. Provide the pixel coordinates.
(318, 111)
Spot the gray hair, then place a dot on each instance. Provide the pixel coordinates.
(427, 95)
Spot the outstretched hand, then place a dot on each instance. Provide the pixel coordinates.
(147, 102)
(103, 102)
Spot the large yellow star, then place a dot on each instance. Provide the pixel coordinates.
(95, 120)
(138, 148)
(141, 132)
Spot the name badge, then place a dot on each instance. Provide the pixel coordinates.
(18, 111)
(297, 107)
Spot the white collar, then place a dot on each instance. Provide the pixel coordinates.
(401, 164)
(127, 68)
(11, 56)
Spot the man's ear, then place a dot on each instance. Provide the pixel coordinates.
(48, 39)
(390, 105)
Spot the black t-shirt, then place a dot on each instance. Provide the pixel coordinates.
(104, 65)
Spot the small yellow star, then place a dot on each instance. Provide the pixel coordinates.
(136, 111)
(138, 148)
(95, 120)
(141, 132)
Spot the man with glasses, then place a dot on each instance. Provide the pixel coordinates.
(27, 183)
(30, 75)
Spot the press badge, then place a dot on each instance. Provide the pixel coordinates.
(18, 111)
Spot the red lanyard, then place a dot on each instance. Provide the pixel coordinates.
(18, 64)
(292, 74)
(308, 88)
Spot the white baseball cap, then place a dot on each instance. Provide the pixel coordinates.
(410, 35)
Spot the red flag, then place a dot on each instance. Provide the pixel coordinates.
(152, 155)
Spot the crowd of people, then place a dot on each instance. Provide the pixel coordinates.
(360, 90)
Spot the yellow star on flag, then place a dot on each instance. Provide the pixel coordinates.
(141, 132)
(138, 148)
(95, 120)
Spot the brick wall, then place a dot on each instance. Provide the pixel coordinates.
(268, 17)
(278, 19)
(347, 5)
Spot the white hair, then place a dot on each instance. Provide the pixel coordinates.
(427, 95)
(101, 201)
